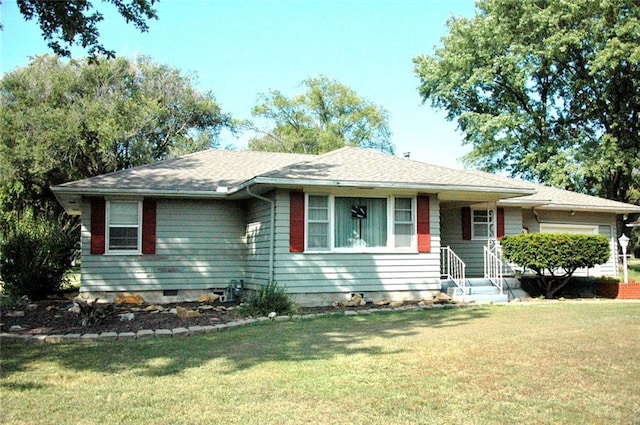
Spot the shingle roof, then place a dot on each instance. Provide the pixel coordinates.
(365, 166)
(218, 172)
(207, 170)
(201, 171)
(554, 198)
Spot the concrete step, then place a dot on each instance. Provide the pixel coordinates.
(473, 290)
(518, 293)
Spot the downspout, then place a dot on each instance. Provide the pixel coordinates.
(273, 228)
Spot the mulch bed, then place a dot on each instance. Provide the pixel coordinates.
(54, 317)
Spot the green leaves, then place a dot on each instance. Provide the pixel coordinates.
(327, 116)
(65, 121)
(64, 23)
(555, 256)
(549, 91)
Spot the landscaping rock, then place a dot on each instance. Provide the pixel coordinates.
(163, 333)
(381, 303)
(180, 332)
(185, 313)
(355, 301)
(32, 307)
(208, 298)
(108, 335)
(396, 304)
(441, 297)
(135, 299)
(127, 317)
(89, 337)
(15, 313)
(144, 333)
(205, 307)
(16, 328)
(154, 308)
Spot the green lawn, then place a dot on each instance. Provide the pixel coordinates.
(634, 269)
(542, 363)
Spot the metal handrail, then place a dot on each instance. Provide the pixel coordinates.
(493, 267)
(454, 269)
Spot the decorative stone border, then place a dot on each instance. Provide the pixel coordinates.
(196, 330)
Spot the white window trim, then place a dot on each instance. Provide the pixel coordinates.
(590, 228)
(108, 249)
(414, 232)
(306, 223)
(484, 237)
(389, 248)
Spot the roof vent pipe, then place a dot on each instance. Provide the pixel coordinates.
(406, 155)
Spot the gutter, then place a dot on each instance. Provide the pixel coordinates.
(273, 228)
(297, 182)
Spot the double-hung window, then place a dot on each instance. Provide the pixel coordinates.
(124, 230)
(340, 223)
(318, 222)
(404, 223)
(483, 224)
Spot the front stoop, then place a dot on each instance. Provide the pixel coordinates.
(477, 290)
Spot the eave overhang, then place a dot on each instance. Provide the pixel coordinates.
(71, 197)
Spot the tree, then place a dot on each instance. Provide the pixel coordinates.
(329, 115)
(67, 120)
(555, 257)
(64, 23)
(548, 90)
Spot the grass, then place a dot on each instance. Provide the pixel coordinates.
(546, 363)
(634, 269)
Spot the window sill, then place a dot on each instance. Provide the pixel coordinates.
(123, 253)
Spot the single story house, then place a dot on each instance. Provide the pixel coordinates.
(325, 227)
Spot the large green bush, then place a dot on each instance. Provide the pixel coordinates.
(555, 256)
(35, 253)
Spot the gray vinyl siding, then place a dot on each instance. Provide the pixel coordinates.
(200, 245)
(606, 223)
(354, 272)
(258, 237)
(472, 251)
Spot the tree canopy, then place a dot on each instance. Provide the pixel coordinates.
(548, 90)
(67, 120)
(327, 116)
(64, 23)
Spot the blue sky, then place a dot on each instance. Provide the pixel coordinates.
(241, 48)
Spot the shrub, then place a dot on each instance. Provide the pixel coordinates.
(267, 299)
(35, 253)
(555, 256)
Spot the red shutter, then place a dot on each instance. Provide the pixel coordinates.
(424, 228)
(296, 222)
(500, 223)
(466, 223)
(97, 225)
(149, 226)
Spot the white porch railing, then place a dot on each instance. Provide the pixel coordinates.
(453, 268)
(493, 265)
